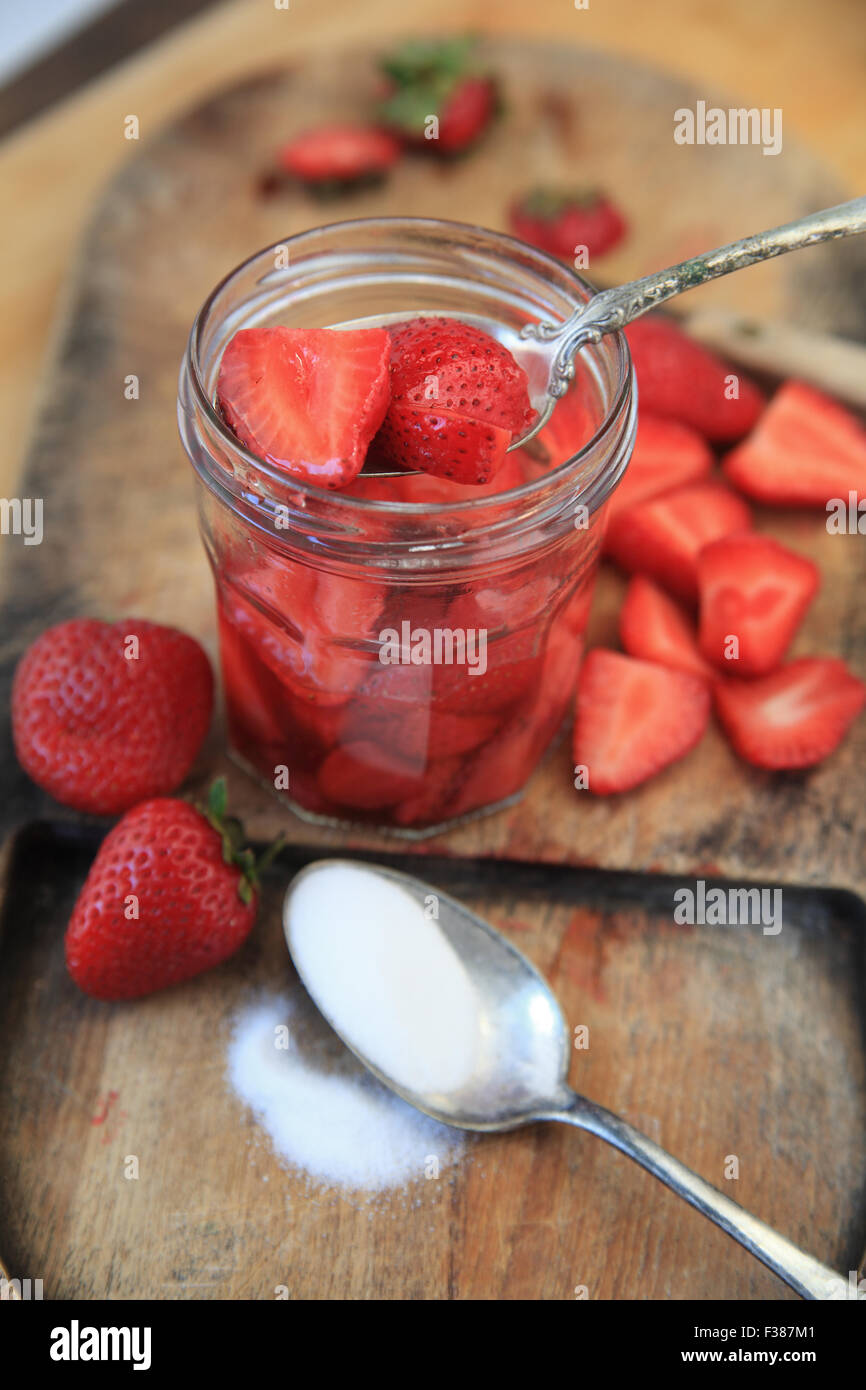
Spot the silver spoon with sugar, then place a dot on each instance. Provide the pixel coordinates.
(444, 1011)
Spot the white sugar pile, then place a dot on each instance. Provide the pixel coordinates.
(381, 970)
(323, 1111)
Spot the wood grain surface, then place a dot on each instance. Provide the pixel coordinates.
(708, 1040)
(120, 538)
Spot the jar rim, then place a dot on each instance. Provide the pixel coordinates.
(191, 373)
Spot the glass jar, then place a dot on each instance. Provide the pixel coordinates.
(402, 652)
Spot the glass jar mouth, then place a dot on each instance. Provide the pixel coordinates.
(538, 269)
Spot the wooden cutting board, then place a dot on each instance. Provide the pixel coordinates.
(120, 538)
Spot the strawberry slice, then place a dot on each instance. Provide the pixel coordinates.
(652, 626)
(666, 455)
(805, 450)
(367, 777)
(442, 363)
(307, 399)
(756, 591)
(334, 155)
(442, 442)
(680, 379)
(663, 537)
(794, 718)
(634, 718)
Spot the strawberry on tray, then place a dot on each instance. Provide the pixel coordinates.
(567, 222)
(439, 98)
(330, 159)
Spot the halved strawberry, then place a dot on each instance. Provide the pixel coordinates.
(794, 717)
(430, 804)
(438, 78)
(443, 363)
(666, 455)
(634, 718)
(561, 220)
(652, 626)
(367, 777)
(663, 536)
(680, 379)
(442, 442)
(805, 450)
(307, 399)
(335, 155)
(753, 595)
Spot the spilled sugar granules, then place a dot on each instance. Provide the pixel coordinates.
(323, 1111)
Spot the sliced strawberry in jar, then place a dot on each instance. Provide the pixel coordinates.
(667, 454)
(500, 768)
(308, 400)
(430, 804)
(754, 594)
(793, 718)
(654, 627)
(664, 536)
(441, 442)
(805, 451)
(366, 777)
(633, 719)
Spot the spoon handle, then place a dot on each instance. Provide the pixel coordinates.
(614, 308)
(806, 1275)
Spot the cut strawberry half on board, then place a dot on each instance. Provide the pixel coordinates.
(442, 442)
(654, 627)
(681, 380)
(666, 455)
(634, 718)
(754, 593)
(664, 536)
(308, 400)
(560, 221)
(336, 155)
(805, 450)
(793, 718)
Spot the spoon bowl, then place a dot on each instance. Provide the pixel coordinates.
(520, 1065)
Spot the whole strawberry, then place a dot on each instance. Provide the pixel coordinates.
(170, 894)
(560, 221)
(438, 98)
(106, 714)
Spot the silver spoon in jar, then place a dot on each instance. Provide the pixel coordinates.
(521, 1064)
(546, 351)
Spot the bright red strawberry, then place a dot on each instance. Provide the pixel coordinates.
(793, 718)
(332, 156)
(652, 626)
(634, 718)
(805, 450)
(663, 536)
(367, 777)
(430, 803)
(308, 400)
(170, 894)
(500, 769)
(445, 364)
(559, 221)
(681, 380)
(443, 443)
(106, 714)
(666, 455)
(754, 593)
(440, 80)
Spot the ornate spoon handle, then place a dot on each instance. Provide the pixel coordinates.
(613, 309)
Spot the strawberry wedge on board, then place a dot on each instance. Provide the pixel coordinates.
(663, 537)
(805, 451)
(561, 220)
(654, 627)
(308, 400)
(794, 718)
(666, 455)
(333, 157)
(634, 718)
(754, 594)
(680, 379)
